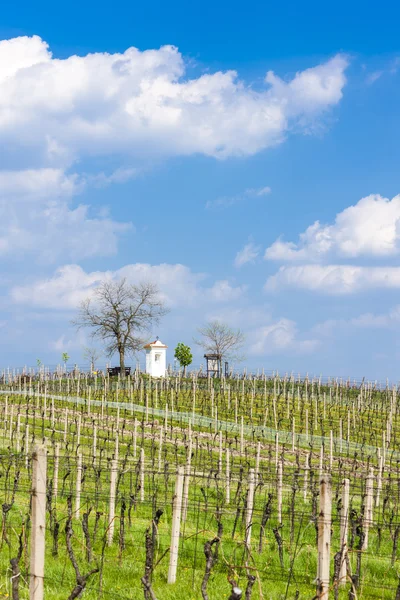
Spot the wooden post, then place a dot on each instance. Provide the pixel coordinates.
(18, 432)
(116, 447)
(279, 490)
(65, 425)
(142, 475)
(38, 523)
(55, 473)
(135, 436)
(186, 482)
(293, 432)
(306, 425)
(324, 537)
(369, 493)
(176, 525)
(194, 401)
(111, 512)
(220, 455)
(249, 507)
(228, 483)
(27, 445)
(344, 527)
(94, 440)
(78, 432)
(258, 460)
(78, 485)
(321, 461)
(306, 469)
(11, 423)
(379, 480)
(160, 443)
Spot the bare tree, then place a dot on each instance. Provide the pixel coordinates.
(218, 338)
(92, 355)
(118, 313)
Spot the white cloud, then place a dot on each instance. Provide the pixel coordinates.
(363, 321)
(312, 89)
(228, 201)
(38, 184)
(36, 217)
(120, 175)
(178, 285)
(369, 228)
(65, 290)
(265, 334)
(143, 104)
(395, 65)
(374, 76)
(182, 289)
(247, 254)
(62, 344)
(223, 291)
(334, 279)
(21, 53)
(279, 336)
(264, 191)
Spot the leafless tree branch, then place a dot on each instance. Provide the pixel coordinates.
(219, 338)
(119, 314)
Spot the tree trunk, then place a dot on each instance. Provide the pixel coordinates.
(184, 371)
(122, 361)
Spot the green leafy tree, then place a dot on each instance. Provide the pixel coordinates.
(65, 358)
(184, 355)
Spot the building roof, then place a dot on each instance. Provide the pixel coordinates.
(156, 344)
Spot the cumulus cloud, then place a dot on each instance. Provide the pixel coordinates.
(65, 290)
(143, 104)
(247, 254)
(369, 228)
(178, 285)
(279, 336)
(36, 217)
(223, 291)
(64, 343)
(38, 184)
(334, 279)
(181, 288)
(265, 334)
(364, 321)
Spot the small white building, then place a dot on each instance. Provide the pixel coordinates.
(156, 358)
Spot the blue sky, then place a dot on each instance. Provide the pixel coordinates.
(245, 159)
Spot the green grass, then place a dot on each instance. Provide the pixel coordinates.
(122, 570)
